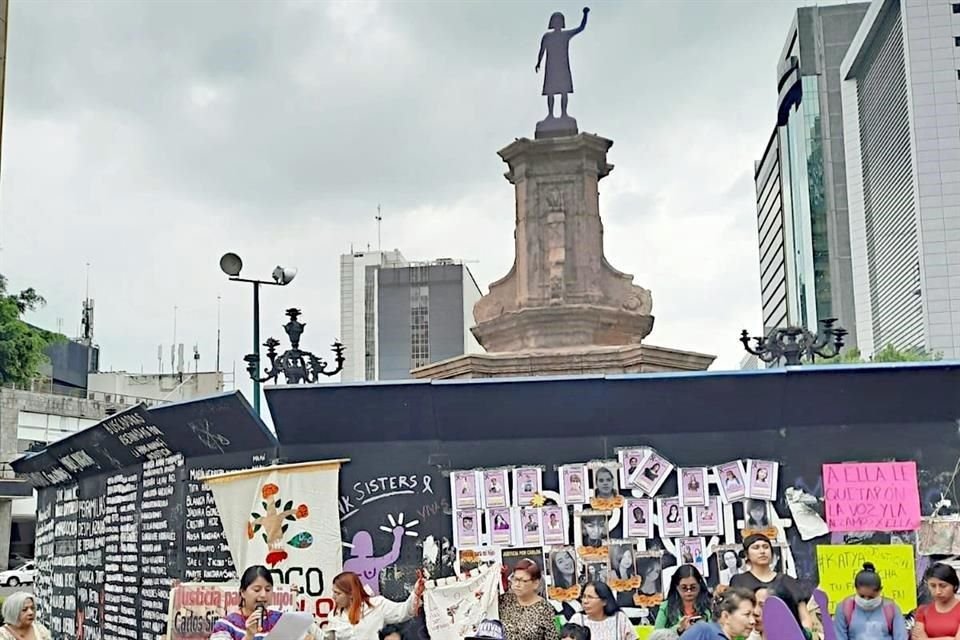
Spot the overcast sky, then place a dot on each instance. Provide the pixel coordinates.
(148, 138)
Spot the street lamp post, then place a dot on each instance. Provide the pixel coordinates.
(231, 264)
(792, 344)
(297, 365)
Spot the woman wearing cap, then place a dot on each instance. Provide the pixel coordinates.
(525, 615)
(758, 552)
(602, 615)
(359, 615)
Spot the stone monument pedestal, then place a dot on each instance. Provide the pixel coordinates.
(562, 309)
(582, 361)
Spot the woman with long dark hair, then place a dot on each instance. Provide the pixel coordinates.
(602, 615)
(688, 601)
(941, 618)
(360, 615)
(254, 619)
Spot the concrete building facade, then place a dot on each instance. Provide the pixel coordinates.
(802, 213)
(901, 89)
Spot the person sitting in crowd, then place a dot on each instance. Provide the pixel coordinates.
(733, 617)
(573, 631)
(254, 619)
(526, 615)
(359, 615)
(688, 601)
(758, 552)
(939, 620)
(391, 632)
(868, 615)
(602, 615)
(20, 618)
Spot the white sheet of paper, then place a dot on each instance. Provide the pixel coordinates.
(292, 625)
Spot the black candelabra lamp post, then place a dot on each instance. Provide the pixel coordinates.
(792, 344)
(295, 364)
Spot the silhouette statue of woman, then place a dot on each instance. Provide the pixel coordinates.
(556, 45)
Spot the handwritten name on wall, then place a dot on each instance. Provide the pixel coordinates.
(872, 496)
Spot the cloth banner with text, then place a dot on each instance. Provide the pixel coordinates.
(196, 606)
(287, 518)
(455, 606)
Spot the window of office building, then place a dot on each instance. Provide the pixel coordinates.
(419, 325)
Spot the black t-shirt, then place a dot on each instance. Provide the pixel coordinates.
(751, 582)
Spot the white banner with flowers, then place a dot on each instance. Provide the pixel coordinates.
(285, 517)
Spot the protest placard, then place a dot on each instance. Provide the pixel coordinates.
(839, 565)
(196, 606)
(872, 496)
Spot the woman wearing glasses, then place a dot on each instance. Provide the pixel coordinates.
(688, 601)
(602, 615)
(524, 614)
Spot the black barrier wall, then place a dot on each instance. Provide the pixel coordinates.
(112, 535)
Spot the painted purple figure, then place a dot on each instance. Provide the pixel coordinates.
(368, 566)
(556, 45)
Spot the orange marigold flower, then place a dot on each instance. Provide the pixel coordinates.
(269, 490)
(302, 511)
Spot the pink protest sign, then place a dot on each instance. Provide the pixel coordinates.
(872, 496)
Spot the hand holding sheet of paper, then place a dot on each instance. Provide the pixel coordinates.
(292, 625)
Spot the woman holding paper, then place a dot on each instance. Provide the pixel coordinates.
(254, 620)
(360, 615)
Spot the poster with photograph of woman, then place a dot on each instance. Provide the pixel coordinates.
(730, 480)
(530, 526)
(463, 487)
(467, 530)
(496, 490)
(564, 570)
(595, 571)
(692, 484)
(652, 474)
(708, 519)
(762, 479)
(573, 484)
(672, 522)
(691, 551)
(604, 492)
(630, 461)
(757, 518)
(500, 523)
(527, 482)
(725, 563)
(622, 561)
(650, 571)
(592, 532)
(553, 525)
(638, 518)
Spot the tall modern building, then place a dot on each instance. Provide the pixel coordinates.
(802, 216)
(902, 136)
(396, 316)
(424, 315)
(358, 308)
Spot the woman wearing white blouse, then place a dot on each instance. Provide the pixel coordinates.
(359, 615)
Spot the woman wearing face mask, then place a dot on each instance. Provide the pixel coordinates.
(20, 619)
(254, 619)
(868, 615)
(939, 620)
(524, 614)
(758, 552)
(732, 617)
(359, 615)
(602, 615)
(688, 601)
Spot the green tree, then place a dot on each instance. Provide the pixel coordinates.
(21, 346)
(888, 354)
